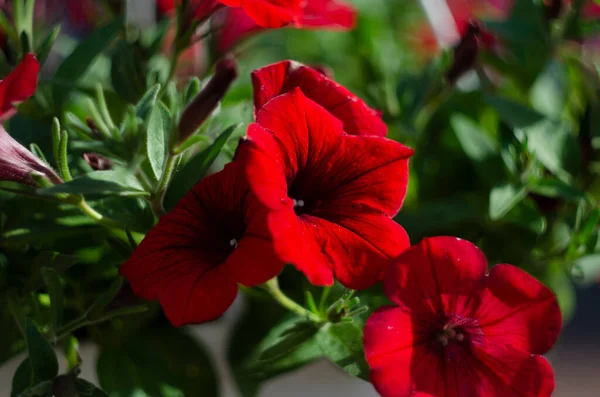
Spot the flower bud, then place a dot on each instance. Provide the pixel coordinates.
(17, 163)
(98, 162)
(465, 53)
(207, 100)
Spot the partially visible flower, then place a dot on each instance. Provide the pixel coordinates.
(266, 13)
(466, 52)
(17, 163)
(338, 192)
(279, 78)
(233, 26)
(19, 85)
(456, 331)
(98, 162)
(424, 40)
(207, 100)
(217, 236)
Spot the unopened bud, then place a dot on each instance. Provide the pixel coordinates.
(467, 50)
(553, 8)
(196, 113)
(94, 128)
(98, 162)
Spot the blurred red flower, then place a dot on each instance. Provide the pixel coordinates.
(266, 13)
(279, 78)
(19, 85)
(458, 332)
(338, 192)
(217, 236)
(233, 25)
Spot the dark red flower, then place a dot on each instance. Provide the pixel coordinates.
(19, 85)
(279, 78)
(459, 332)
(234, 26)
(217, 236)
(17, 163)
(338, 192)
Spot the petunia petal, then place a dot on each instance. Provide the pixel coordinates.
(439, 276)
(270, 13)
(518, 312)
(273, 80)
(197, 253)
(19, 85)
(332, 14)
(198, 296)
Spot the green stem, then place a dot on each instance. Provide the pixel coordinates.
(172, 69)
(272, 286)
(92, 213)
(159, 194)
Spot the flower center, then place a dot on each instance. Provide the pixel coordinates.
(450, 335)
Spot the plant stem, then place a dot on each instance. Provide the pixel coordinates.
(272, 286)
(159, 194)
(172, 69)
(92, 213)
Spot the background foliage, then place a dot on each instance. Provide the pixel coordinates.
(508, 160)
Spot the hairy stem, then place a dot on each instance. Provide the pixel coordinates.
(272, 286)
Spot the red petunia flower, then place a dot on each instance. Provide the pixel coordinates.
(19, 85)
(458, 332)
(234, 26)
(273, 80)
(17, 163)
(217, 236)
(265, 13)
(338, 192)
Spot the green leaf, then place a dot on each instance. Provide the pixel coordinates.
(588, 268)
(57, 298)
(503, 198)
(196, 169)
(105, 298)
(342, 343)
(163, 362)
(147, 103)
(101, 183)
(23, 378)
(289, 339)
(158, 126)
(45, 47)
(128, 70)
(514, 113)
(76, 64)
(41, 355)
(552, 187)
(555, 147)
(478, 146)
(86, 389)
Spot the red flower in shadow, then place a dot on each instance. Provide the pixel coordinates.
(457, 332)
(338, 192)
(279, 78)
(234, 25)
(217, 236)
(19, 85)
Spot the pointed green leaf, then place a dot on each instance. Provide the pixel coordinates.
(102, 183)
(513, 113)
(41, 355)
(478, 146)
(147, 103)
(105, 298)
(45, 47)
(157, 131)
